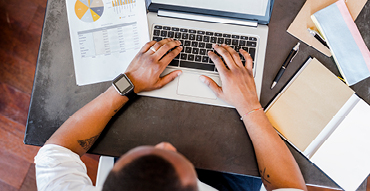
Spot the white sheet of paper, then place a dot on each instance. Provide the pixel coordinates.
(344, 157)
(105, 36)
(251, 7)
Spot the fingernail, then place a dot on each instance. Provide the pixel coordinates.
(178, 42)
(178, 74)
(171, 39)
(223, 44)
(214, 45)
(181, 47)
(202, 78)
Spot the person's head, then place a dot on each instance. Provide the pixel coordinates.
(152, 168)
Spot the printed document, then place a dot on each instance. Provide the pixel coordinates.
(105, 37)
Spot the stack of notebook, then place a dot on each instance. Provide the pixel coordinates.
(350, 53)
(326, 121)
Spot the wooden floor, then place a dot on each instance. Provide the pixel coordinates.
(21, 24)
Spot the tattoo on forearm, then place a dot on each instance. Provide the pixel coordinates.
(265, 176)
(87, 143)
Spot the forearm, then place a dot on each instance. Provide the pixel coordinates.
(277, 167)
(82, 129)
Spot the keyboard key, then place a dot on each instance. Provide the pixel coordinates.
(163, 33)
(194, 44)
(187, 43)
(194, 65)
(158, 27)
(220, 40)
(210, 61)
(198, 58)
(192, 37)
(185, 35)
(192, 31)
(174, 63)
(183, 56)
(188, 49)
(199, 38)
(171, 34)
(178, 35)
(195, 50)
(209, 33)
(228, 41)
(218, 34)
(252, 52)
(209, 46)
(252, 44)
(226, 35)
(157, 38)
(205, 59)
(156, 32)
(201, 32)
(202, 45)
(253, 38)
(244, 37)
(183, 30)
(202, 51)
(213, 40)
(237, 48)
(245, 48)
(235, 42)
(206, 39)
(236, 36)
(175, 29)
(191, 57)
(242, 43)
(167, 28)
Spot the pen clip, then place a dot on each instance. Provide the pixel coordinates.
(295, 54)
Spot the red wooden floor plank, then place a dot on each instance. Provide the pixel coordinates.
(13, 169)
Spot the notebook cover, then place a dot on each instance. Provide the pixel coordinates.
(308, 104)
(345, 41)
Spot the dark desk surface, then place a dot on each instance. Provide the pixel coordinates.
(211, 137)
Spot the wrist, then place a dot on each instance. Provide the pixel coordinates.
(244, 109)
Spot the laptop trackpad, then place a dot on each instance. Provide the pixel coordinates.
(190, 85)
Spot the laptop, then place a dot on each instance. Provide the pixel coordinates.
(199, 24)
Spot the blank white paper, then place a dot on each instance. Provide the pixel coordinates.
(345, 155)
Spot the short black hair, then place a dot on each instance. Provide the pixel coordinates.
(149, 172)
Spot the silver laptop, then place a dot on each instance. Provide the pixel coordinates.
(199, 24)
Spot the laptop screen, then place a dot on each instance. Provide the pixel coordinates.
(257, 10)
(251, 7)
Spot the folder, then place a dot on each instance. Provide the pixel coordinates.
(349, 50)
(326, 121)
(303, 21)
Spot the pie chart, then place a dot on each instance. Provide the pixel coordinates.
(89, 10)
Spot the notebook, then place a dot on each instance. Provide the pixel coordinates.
(350, 53)
(326, 121)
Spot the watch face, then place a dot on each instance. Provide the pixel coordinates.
(122, 84)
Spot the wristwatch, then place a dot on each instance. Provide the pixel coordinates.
(124, 86)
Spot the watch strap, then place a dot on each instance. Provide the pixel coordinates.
(131, 94)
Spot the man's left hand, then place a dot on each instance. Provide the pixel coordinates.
(145, 69)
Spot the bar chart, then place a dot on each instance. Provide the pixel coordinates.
(123, 6)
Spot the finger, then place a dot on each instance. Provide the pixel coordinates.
(234, 54)
(225, 55)
(248, 60)
(168, 78)
(159, 44)
(171, 55)
(221, 68)
(166, 47)
(212, 85)
(146, 47)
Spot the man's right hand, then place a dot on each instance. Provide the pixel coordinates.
(238, 87)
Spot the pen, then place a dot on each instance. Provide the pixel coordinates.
(288, 60)
(318, 37)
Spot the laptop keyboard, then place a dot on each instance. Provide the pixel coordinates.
(197, 43)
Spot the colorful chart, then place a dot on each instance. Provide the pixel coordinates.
(89, 10)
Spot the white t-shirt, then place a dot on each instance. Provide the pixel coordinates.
(59, 169)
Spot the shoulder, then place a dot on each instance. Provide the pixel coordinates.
(58, 168)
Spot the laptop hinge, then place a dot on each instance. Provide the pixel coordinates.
(204, 18)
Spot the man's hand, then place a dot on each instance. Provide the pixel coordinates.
(238, 87)
(147, 66)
